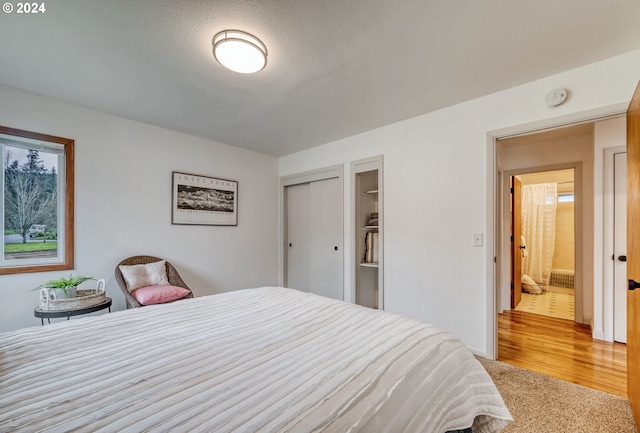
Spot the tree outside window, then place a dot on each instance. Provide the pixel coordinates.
(37, 205)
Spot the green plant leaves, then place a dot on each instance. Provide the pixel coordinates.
(63, 283)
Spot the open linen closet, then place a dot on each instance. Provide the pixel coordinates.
(257, 360)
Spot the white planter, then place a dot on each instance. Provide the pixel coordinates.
(56, 294)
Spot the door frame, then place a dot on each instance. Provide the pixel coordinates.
(515, 228)
(331, 172)
(361, 166)
(493, 266)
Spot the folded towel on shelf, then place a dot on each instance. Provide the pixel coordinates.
(371, 248)
(375, 248)
(368, 248)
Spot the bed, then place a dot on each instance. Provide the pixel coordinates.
(258, 360)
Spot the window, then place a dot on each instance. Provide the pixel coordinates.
(37, 202)
(565, 198)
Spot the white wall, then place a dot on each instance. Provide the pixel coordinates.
(439, 189)
(123, 201)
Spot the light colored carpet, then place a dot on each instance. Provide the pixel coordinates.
(549, 303)
(543, 404)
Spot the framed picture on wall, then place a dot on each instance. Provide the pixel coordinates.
(204, 200)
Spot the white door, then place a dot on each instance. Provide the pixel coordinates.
(620, 248)
(326, 239)
(314, 238)
(298, 213)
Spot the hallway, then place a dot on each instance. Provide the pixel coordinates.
(562, 349)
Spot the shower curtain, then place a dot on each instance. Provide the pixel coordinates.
(539, 230)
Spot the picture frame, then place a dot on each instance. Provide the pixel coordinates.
(203, 200)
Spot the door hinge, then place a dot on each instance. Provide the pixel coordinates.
(511, 190)
(512, 286)
(512, 238)
(495, 259)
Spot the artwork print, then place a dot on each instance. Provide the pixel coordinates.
(203, 200)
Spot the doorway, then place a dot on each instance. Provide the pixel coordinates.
(564, 158)
(592, 147)
(584, 148)
(543, 233)
(570, 148)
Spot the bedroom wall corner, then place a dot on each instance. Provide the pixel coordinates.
(123, 201)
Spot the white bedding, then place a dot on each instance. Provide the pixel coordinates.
(256, 360)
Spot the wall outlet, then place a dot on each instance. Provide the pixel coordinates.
(477, 239)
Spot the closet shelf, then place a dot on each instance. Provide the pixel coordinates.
(368, 236)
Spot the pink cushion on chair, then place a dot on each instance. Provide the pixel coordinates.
(150, 295)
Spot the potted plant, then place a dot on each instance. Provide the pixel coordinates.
(64, 287)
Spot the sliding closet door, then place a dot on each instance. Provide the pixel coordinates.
(314, 237)
(326, 239)
(298, 224)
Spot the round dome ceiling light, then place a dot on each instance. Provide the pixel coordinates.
(239, 51)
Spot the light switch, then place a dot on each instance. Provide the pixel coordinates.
(477, 239)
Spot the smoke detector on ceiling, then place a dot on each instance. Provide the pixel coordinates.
(556, 97)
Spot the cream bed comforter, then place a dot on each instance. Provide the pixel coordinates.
(257, 360)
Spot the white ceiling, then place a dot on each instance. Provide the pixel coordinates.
(335, 67)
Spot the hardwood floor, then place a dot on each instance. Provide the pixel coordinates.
(562, 349)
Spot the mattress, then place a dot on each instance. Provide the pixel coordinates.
(257, 360)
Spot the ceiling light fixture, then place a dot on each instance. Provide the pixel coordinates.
(239, 51)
